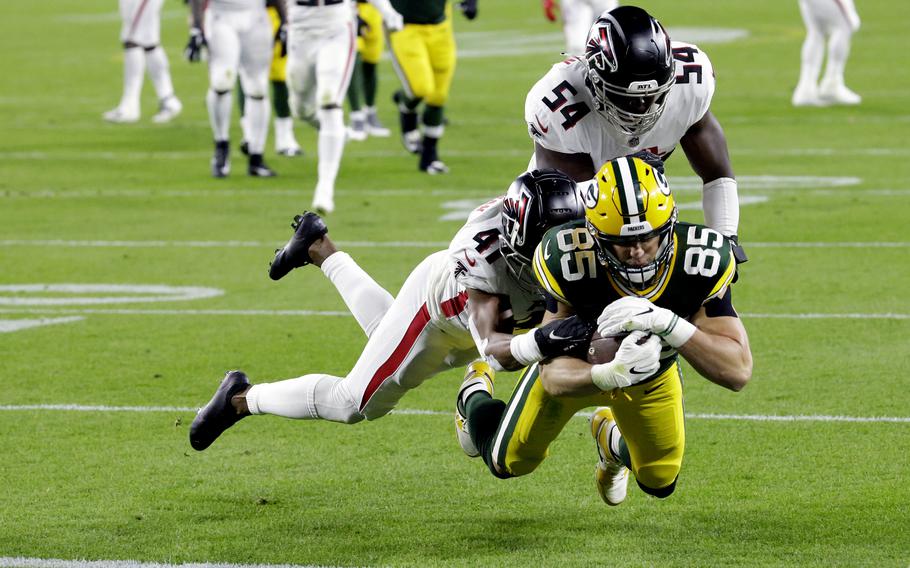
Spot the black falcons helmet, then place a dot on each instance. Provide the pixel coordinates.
(630, 68)
(535, 202)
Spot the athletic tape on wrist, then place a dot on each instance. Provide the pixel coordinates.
(524, 348)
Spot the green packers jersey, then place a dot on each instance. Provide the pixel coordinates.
(701, 268)
(421, 11)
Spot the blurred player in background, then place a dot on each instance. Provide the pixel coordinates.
(634, 90)
(140, 33)
(835, 20)
(454, 303)
(423, 54)
(285, 142)
(238, 36)
(577, 17)
(633, 267)
(363, 119)
(321, 54)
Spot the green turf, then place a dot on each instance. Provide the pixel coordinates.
(399, 492)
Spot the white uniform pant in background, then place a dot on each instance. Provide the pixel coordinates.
(577, 18)
(141, 22)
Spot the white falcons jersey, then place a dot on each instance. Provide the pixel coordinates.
(561, 115)
(476, 261)
(320, 14)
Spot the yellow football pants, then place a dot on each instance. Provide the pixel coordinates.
(424, 59)
(649, 416)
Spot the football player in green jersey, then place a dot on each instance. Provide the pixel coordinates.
(632, 266)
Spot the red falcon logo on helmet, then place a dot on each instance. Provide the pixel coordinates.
(600, 48)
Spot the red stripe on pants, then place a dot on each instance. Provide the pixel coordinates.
(397, 357)
(135, 21)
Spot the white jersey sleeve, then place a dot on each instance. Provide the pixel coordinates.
(694, 85)
(476, 260)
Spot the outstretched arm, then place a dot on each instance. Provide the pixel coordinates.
(505, 351)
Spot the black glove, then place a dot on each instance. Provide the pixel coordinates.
(651, 159)
(569, 336)
(738, 253)
(281, 38)
(362, 26)
(468, 8)
(193, 50)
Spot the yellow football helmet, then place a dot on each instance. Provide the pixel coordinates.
(631, 202)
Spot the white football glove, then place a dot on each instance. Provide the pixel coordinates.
(390, 17)
(633, 313)
(632, 363)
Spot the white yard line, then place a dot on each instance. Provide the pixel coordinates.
(374, 244)
(333, 313)
(422, 412)
(207, 244)
(18, 562)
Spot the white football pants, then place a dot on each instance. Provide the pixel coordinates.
(577, 18)
(240, 44)
(141, 22)
(835, 20)
(405, 348)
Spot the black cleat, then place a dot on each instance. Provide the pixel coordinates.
(219, 414)
(308, 228)
(244, 147)
(258, 167)
(221, 163)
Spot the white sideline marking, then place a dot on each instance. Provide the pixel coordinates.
(149, 293)
(9, 326)
(211, 244)
(18, 562)
(339, 313)
(829, 316)
(162, 312)
(376, 244)
(420, 412)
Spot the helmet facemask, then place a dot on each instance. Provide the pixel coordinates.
(630, 69)
(637, 277)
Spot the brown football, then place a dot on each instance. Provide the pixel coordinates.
(603, 349)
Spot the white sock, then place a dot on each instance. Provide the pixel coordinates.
(245, 126)
(219, 113)
(305, 398)
(838, 51)
(133, 70)
(257, 113)
(284, 132)
(813, 51)
(365, 298)
(160, 72)
(331, 145)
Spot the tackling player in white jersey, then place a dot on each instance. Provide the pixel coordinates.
(322, 46)
(634, 90)
(238, 35)
(456, 303)
(140, 33)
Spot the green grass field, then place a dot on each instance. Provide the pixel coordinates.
(825, 297)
